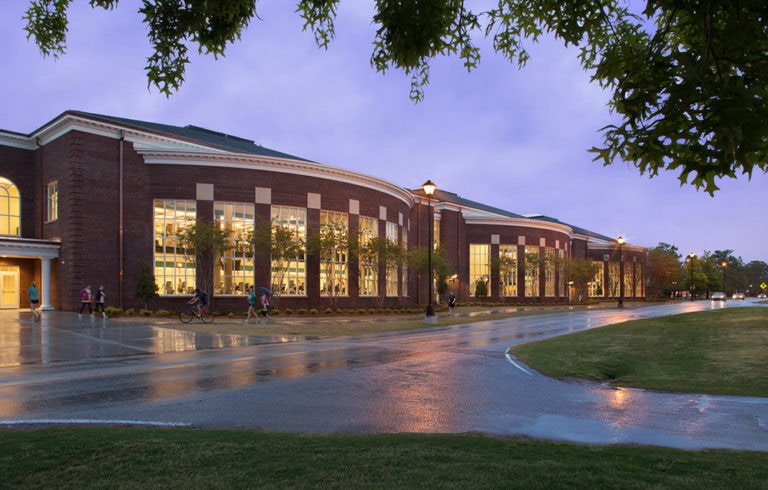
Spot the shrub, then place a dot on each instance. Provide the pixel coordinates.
(130, 311)
(162, 312)
(146, 312)
(301, 311)
(328, 311)
(372, 311)
(340, 311)
(111, 310)
(313, 311)
(361, 311)
(288, 311)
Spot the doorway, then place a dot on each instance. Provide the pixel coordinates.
(9, 287)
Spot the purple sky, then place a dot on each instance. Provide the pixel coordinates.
(514, 139)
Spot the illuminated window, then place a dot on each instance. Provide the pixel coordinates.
(549, 272)
(391, 272)
(334, 252)
(53, 201)
(174, 266)
(532, 264)
(596, 286)
(479, 270)
(368, 229)
(508, 270)
(10, 208)
(289, 273)
(404, 273)
(233, 272)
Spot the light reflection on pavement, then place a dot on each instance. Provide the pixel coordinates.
(450, 379)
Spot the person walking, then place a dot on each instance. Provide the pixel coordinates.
(86, 297)
(265, 307)
(34, 300)
(99, 300)
(251, 304)
(451, 303)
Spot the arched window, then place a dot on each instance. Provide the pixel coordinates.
(10, 208)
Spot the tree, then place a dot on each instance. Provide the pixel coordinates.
(285, 246)
(663, 270)
(687, 79)
(204, 241)
(146, 286)
(418, 260)
(333, 244)
(580, 272)
(386, 254)
(506, 264)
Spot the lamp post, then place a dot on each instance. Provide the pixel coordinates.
(691, 256)
(429, 189)
(620, 241)
(723, 265)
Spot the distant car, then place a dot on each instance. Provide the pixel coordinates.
(738, 296)
(762, 296)
(718, 296)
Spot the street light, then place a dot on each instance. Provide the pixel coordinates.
(723, 265)
(691, 256)
(429, 189)
(620, 241)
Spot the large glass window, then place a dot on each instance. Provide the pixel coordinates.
(392, 276)
(369, 268)
(549, 272)
(404, 273)
(10, 208)
(174, 267)
(334, 232)
(508, 270)
(479, 269)
(596, 286)
(289, 272)
(532, 264)
(234, 270)
(613, 279)
(53, 201)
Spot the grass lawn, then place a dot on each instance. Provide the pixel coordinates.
(123, 457)
(716, 352)
(722, 351)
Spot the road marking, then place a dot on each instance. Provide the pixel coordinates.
(518, 366)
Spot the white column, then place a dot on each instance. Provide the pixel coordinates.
(45, 285)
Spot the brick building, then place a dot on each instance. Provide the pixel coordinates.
(91, 199)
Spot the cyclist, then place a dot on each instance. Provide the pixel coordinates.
(199, 300)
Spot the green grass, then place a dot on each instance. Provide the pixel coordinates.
(716, 352)
(124, 457)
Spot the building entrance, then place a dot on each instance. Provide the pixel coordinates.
(9, 287)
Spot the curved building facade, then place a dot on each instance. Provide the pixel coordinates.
(92, 200)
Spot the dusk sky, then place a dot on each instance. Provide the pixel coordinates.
(509, 138)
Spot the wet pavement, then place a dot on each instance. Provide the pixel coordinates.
(452, 379)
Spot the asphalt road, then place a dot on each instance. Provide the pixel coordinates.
(440, 380)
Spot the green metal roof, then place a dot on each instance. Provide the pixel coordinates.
(197, 134)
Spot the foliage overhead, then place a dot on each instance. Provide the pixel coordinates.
(686, 79)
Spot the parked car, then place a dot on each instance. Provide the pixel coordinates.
(719, 296)
(738, 296)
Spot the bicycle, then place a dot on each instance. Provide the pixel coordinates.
(191, 312)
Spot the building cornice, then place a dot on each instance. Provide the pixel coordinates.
(523, 222)
(158, 149)
(25, 247)
(16, 140)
